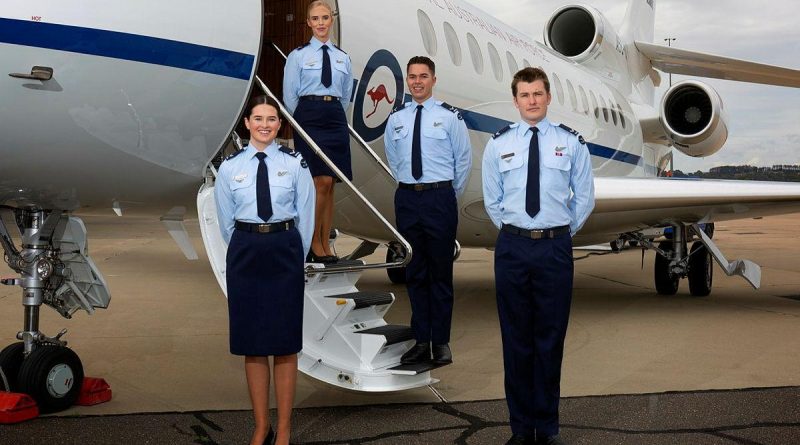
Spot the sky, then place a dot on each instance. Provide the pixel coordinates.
(763, 120)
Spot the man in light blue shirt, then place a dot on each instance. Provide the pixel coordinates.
(429, 153)
(538, 190)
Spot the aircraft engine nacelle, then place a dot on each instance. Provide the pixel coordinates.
(693, 118)
(584, 35)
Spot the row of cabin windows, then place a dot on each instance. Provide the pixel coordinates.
(610, 111)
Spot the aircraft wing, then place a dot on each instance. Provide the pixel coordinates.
(626, 204)
(681, 61)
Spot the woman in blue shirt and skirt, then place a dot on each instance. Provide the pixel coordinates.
(265, 206)
(317, 86)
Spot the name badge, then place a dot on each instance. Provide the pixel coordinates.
(507, 157)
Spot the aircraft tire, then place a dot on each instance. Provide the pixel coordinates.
(11, 358)
(397, 275)
(701, 270)
(52, 375)
(666, 282)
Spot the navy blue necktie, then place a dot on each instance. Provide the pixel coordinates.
(327, 78)
(263, 196)
(416, 146)
(532, 189)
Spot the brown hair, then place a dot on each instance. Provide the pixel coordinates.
(422, 60)
(529, 75)
(261, 100)
(316, 3)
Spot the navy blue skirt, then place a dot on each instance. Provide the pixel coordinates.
(265, 293)
(326, 123)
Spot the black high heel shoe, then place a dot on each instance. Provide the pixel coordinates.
(323, 259)
(270, 439)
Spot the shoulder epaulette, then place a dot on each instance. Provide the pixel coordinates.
(501, 131)
(580, 138)
(289, 151)
(233, 155)
(304, 45)
(397, 108)
(455, 110)
(334, 45)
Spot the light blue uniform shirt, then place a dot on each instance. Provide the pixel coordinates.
(302, 75)
(444, 139)
(290, 185)
(566, 185)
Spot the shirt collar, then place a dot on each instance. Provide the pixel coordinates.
(317, 44)
(271, 150)
(543, 126)
(428, 104)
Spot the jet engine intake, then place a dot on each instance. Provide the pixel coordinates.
(693, 118)
(584, 35)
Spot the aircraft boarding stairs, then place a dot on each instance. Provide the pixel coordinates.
(346, 341)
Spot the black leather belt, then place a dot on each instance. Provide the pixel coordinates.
(321, 98)
(427, 186)
(536, 233)
(264, 228)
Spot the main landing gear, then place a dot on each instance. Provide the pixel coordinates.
(675, 260)
(54, 269)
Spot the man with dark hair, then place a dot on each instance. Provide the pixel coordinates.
(429, 153)
(538, 190)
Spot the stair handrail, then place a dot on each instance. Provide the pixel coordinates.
(318, 151)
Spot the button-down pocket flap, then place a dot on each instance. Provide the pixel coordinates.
(340, 65)
(434, 133)
(557, 162)
(511, 162)
(312, 63)
(399, 133)
(284, 181)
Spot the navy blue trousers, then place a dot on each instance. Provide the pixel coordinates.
(534, 292)
(428, 220)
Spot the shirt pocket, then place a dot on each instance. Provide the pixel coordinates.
(312, 64)
(399, 133)
(511, 163)
(562, 162)
(282, 190)
(245, 190)
(340, 65)
(434, 133)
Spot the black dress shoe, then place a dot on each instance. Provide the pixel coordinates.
(320, 259)
(551, 440)
(516, 439)
(270, 439)
(442, 354)
(421, 352)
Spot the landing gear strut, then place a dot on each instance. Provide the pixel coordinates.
(54, 269)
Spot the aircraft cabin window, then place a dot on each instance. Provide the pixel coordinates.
(497, 64)
(621, 116)
(605, 110)
(594, 105)
(512, 63)
(453, 45)
(428, 33)
(573, 99)
(475, 53)
(559, 89)
(613, 113)
(525, 63)
(584, 101)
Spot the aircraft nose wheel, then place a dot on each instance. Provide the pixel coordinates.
(701, 270)
(52, 375)
(666, 281)
(10, 361)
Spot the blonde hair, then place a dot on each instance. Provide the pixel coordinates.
(316, 3)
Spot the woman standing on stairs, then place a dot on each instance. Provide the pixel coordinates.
(265, 207)
(317, 85)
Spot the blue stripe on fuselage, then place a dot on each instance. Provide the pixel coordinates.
(133, 47)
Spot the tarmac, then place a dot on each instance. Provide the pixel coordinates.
(639, 368)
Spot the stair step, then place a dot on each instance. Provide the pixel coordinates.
(415, 368)
(342, 263)
(366, 299)
(393, 333)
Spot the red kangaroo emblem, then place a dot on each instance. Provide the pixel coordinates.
(377, 95)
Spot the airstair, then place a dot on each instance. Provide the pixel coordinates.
(346, 341)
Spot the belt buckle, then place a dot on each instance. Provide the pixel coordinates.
(537, 234)
(263, 228)
(419, 187)
(327, 98)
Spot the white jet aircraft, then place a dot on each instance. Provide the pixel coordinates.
(129, 106)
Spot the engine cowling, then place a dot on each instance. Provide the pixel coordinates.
(694, 119)
(584, 35)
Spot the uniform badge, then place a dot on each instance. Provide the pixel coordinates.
(507, 157)
(398, 129)
(561, 148)
(339, 61)
(240, 178)
(437, 124)
(303, 163)
(282, 173)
